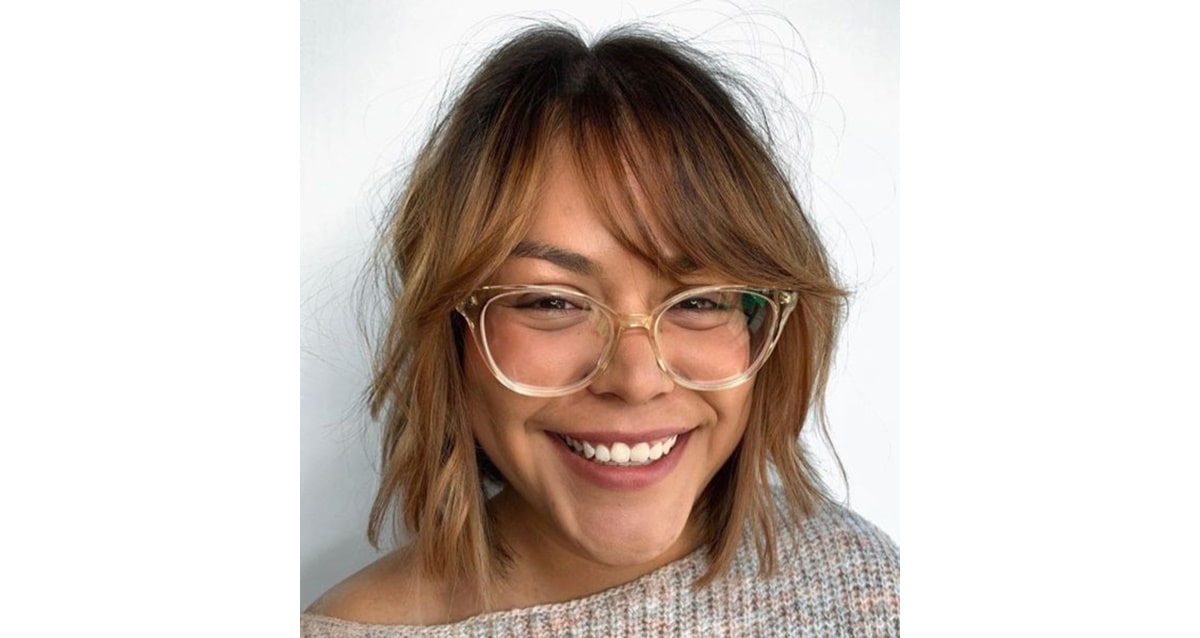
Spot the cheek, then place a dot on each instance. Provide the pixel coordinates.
(494, 412)
(733, 411)
(482, 414)
(475, 371)
(485, 409)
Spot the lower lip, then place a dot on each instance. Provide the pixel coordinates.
(618, 477)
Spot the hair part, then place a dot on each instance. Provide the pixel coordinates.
(680, 175)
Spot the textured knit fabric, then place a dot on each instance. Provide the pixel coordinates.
(838, 576)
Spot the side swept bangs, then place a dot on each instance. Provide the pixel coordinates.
(683, 178)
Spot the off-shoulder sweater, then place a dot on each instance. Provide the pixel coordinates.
(838, 576)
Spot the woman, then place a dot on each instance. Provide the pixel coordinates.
(611, 321)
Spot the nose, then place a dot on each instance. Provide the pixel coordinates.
(633, 373)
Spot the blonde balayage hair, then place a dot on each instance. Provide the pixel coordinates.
(671, 157)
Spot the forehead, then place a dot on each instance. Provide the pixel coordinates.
(572, 214)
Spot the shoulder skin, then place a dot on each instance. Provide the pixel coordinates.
(389, 591)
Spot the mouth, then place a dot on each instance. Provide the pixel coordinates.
(622, 461)
(619, 453)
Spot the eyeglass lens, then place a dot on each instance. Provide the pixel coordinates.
(555, 339)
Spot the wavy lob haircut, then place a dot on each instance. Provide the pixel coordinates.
(672, 159)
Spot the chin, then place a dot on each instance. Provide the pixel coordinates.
(629, 538)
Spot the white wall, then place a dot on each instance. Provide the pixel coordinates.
(371, 74)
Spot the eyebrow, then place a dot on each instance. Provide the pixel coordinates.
(560, 257)
(576, 262)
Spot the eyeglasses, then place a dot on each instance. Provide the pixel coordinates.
(549, 341)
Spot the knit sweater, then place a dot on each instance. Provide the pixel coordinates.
(838, 576)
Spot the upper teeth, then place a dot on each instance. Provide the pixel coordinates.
(642, 453)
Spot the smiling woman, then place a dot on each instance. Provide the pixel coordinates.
(610, 308)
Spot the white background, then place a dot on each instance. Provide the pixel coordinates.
(149, 280)
(371, 75)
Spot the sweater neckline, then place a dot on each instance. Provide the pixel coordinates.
(669, 570)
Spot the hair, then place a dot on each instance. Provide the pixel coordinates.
(673, 158)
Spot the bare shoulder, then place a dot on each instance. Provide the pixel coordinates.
(389, 591)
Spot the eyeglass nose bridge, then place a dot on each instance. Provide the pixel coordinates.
(633, 322)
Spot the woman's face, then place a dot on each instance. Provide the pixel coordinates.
(615, 516)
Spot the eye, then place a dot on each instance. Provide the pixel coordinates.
(553, 303)
(701, 304)
(548, 303)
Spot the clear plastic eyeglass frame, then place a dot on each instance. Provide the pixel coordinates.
(472, 308)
